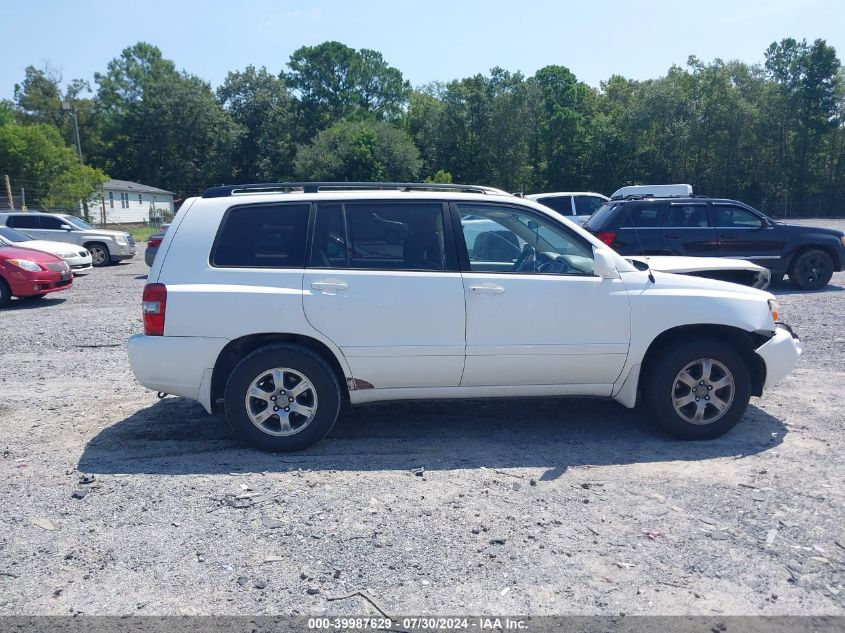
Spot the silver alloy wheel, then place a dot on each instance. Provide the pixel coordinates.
(98, 255)
(281, 401)
(703, 391)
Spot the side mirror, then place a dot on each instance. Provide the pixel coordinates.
(66, 227)
(604, 264)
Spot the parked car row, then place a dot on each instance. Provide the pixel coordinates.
(660, 220)
(277, 303)
(37, 249)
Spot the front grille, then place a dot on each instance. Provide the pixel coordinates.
(83, 253)
(57, 266)
(131, 240)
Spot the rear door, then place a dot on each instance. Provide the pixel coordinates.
(744, 234)
(640, 230)
(50, 228)
(383, 284)
(687, 230)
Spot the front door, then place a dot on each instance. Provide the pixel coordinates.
(745, 235)
(382, 282)
(536, 312)
(52, 229)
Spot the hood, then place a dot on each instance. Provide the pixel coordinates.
(804, 228)
(104, 233)
(670, 282)
(680, 264)
(15, 252)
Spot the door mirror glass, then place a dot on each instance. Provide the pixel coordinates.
(604, 263)
(66, 227)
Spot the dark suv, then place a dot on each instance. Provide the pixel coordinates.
(720, 228)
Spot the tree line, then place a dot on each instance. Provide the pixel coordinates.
(771, 134)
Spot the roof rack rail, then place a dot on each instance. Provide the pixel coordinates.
(224, 191)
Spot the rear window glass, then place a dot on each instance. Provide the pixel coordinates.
(262, 236)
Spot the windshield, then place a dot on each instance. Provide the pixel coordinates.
(11, 235)
(82, 224)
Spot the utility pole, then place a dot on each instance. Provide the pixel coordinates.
(68, 106)
(9, 198)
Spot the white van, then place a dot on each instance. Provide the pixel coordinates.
(654, 191)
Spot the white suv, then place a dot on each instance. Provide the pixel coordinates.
(278, 303)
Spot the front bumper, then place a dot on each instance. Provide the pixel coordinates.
(780, 354)
(79, 265)
(27, 284)
(179, 365)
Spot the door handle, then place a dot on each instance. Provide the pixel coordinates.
(729, 236)
(486, 289)
(329, 287)
(672, 236)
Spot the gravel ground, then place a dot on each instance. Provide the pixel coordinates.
(582, 509)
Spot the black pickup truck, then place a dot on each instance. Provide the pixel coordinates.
(713, 227)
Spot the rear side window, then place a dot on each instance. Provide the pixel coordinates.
(24, 221)
(262, 236)
(687, 216)
(641, 215)
(379, 236)
(561, 204)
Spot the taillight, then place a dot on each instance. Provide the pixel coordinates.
(607, 237)
(154, 241)
(153, 306)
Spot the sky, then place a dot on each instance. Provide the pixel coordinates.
(428, 40)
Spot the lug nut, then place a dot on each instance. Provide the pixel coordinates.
(707, 397)
(710, 387)
(291, 399)
(273, 398)
(275, 408)
(287, 408)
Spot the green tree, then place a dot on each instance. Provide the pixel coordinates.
(36, 157)
(160, 126)
(261, 105)
(359, 151)
(334, 81)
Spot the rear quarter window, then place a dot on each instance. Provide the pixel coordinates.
(262, 236)
(603, 217)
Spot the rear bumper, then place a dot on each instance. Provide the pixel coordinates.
(780, 354)
(179, 365)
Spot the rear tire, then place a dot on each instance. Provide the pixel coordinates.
(5, 293)
(811, 270)
(100, 255)
(698, 389)
(295, 378)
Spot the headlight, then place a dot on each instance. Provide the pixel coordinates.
(121, 240)
(26, 264)
(67, 255)
(774, 308)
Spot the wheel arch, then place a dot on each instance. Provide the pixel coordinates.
(803, 248)
(237, 348)
(744, 342)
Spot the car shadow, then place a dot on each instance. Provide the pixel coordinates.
(176, 437)
(24, 304)
(787, 289)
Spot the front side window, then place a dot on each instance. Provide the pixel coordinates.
(510, 240)
(687, 216)
(29, 221)
(561, 204)
(727, 215)
(262, 236)
(587, 205)
(79, 222)
(379, 236)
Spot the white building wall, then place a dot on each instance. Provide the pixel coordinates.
(133, 210)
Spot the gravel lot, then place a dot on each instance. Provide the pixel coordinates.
(582, 508)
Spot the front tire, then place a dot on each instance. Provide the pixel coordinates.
(282, 397)
(100, 255)
(811, 270)
(699, 389)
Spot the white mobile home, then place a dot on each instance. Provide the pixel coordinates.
(123, 201)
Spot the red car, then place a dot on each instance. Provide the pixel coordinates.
(31, 274)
